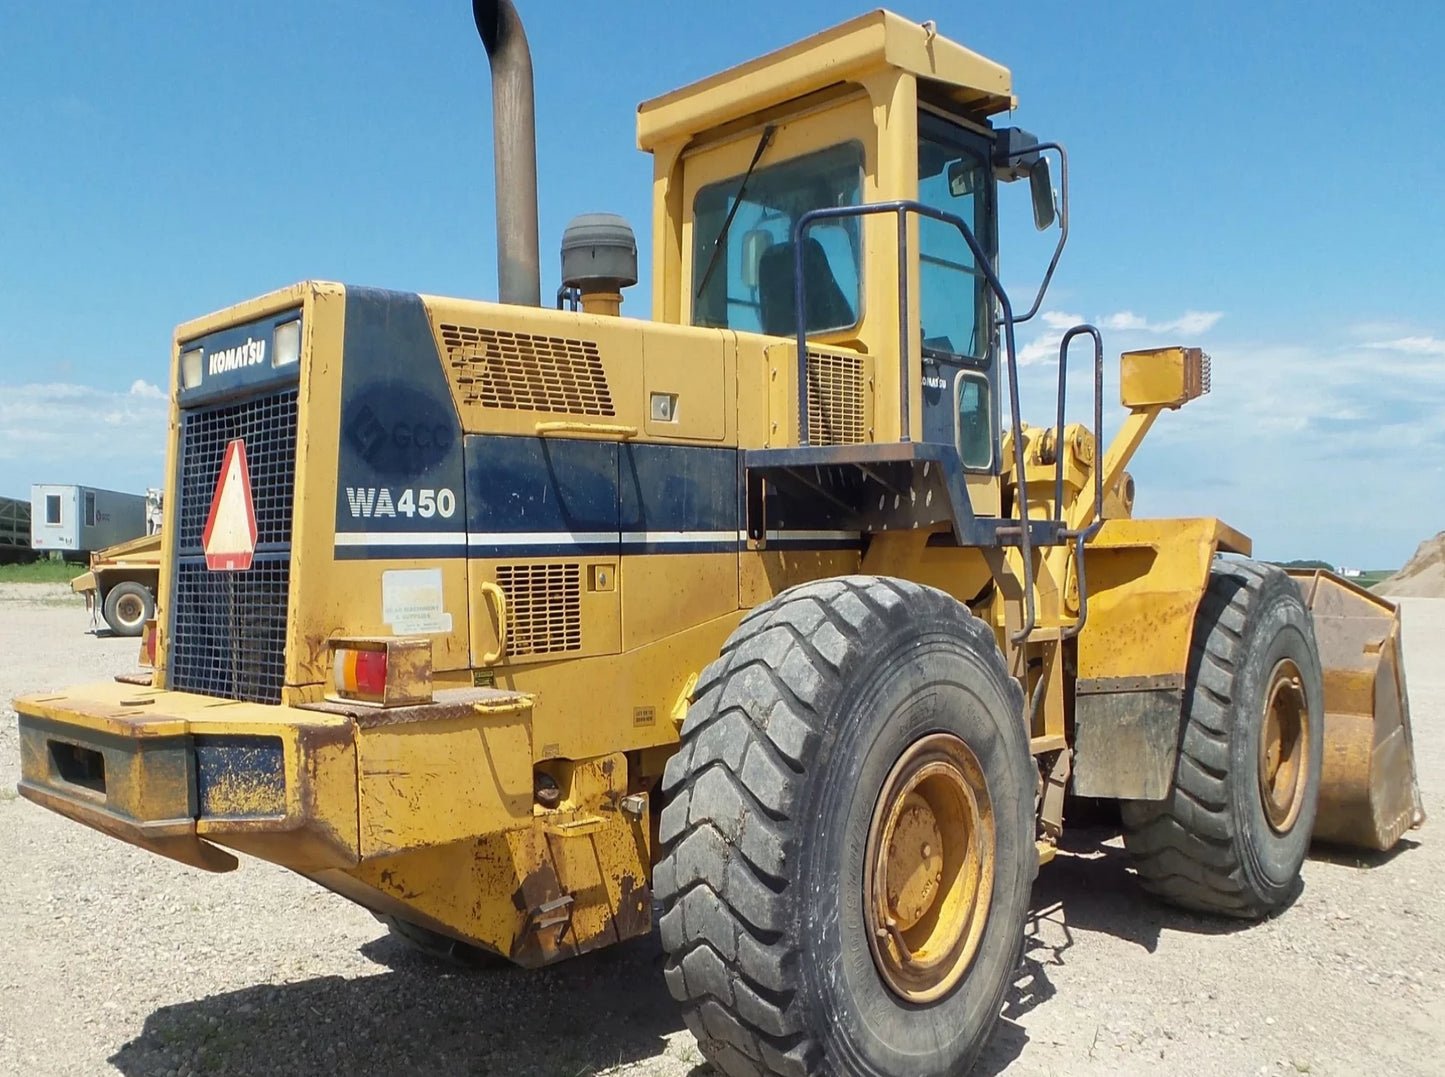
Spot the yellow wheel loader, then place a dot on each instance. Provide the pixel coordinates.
(513, 624)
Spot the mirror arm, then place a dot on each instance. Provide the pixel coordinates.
(1063, 223)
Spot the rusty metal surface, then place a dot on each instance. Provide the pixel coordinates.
(1105, 685)
(446, 704)
(571, 880)
(1126, 743)
(125, 763)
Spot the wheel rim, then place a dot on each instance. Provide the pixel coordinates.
(930, 865)
(129, 609)
(1284, 745)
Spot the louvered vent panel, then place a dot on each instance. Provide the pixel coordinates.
(836, 386)
(525, 372)
(544, 607)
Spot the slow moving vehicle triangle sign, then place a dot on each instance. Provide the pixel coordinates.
(230, 535)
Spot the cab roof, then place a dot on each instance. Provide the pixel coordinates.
(853, 50)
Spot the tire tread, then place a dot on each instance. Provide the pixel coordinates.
(731, 962)
(1184, 847)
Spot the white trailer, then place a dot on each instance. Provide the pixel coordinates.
(75, 520)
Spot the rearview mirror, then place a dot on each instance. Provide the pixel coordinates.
(963, 178)
(1041, 188)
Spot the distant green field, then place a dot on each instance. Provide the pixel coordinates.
(40, 572)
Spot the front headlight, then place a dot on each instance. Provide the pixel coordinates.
(286, 344)
(191, 368)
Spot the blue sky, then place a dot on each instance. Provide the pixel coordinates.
(1264, 180)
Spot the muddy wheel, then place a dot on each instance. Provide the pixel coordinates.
(128, 606)
(1233, 834)
(848, 837)
(441, 947)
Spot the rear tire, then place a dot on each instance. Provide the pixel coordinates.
(128, 606)
(1232, 835)
(440, 947)
(799, 737)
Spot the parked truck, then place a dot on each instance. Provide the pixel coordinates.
(77, 520)
(122, 582)
(505, 621)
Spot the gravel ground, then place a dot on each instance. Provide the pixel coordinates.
(123, 961)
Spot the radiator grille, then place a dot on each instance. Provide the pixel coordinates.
(523, 372)
(268, 427)
(544, 607)
(228, 634)
(836, 386)
(230, 630)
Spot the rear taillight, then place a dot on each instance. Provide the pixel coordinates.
(148, 644)
(385, 671)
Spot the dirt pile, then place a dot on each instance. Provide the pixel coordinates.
(1423, 575)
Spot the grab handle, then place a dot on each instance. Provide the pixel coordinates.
(494, 594)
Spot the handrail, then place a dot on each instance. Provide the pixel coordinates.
(902, 208)
(1081, 536)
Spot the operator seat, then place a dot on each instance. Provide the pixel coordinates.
(828, 307)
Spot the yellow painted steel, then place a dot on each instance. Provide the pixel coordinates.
(515, 811)
(1162, 377)
(1369, 795)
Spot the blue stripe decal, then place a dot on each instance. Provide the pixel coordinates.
(531, 485)
(678, 488)
(560, 497)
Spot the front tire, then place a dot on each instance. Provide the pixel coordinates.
(1232, 835)
(857, 756)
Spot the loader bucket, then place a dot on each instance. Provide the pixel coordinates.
(1369, 795)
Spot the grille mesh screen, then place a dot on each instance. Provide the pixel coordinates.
(228, 635)
(268, 427)
(544, 607)
(523, 372)
(836, 386)
(230, 630)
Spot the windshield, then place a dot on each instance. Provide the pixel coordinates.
(751, 284)
(953, 176)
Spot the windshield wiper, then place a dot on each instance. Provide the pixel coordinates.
(722, 236)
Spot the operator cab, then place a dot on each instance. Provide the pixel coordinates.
(876, 110)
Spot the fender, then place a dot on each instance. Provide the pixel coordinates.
(1145, 580)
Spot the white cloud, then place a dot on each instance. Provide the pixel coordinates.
(1315, 448)
(1039, 350)
(62, 432)
(1057, 319)
(1044, 346)
(1189, 323)
(1411, 346)
(1331, 451)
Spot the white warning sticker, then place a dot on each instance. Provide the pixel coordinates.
(411, 601)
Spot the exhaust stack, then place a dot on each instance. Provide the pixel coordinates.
(514, 139)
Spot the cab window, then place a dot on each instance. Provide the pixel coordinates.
(744, 279)
(954, 176)
(975, 421)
